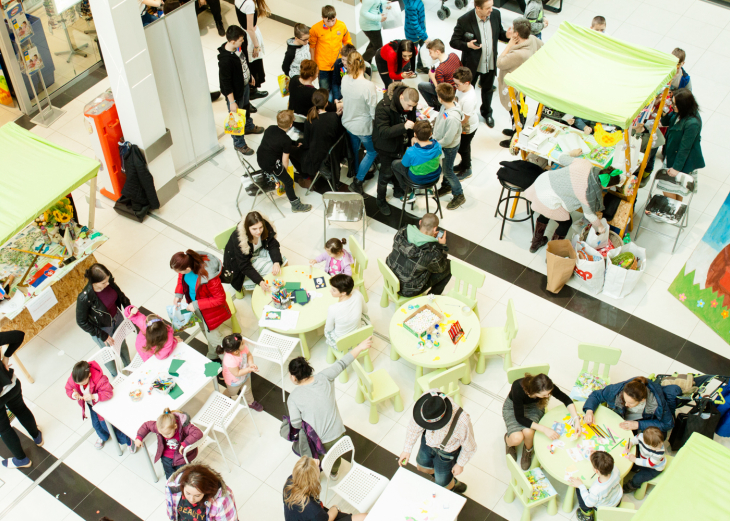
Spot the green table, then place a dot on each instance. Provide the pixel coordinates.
(404, 343)
(555, 464)
(312, 315)
(695, 486)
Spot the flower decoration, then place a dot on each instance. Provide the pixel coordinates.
(713, 304)
(724, 313)
(700, 303)
(682, 297)
(59, 213)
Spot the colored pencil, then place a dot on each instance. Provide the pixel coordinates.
(610, 433)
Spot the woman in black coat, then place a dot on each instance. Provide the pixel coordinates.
(321, 131)
(252, 251)
(98, 310)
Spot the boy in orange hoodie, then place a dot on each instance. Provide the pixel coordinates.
(325, 41)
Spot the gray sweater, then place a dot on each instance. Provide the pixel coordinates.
(534, 14)
(359, 98)
(447, 127)
(315, 403)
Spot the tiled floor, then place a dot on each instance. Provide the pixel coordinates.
(656, 334)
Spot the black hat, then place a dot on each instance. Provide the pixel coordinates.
(432, 411)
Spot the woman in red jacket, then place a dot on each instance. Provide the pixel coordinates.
(396, 61)
(199, 284)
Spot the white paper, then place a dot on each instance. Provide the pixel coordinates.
(37, 306)
(10, 306)
(288, 320)
(570, 141)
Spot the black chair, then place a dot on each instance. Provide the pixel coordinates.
(261, 183)
(416, 187)
(517, 191)
(330, 167)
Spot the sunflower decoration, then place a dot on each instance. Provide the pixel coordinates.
(59, 213)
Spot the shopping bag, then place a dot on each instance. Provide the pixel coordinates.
(283, 80)
(181, 319)
(620, 281)
(560, 264)
(702, 419)
(260, 38)
(595, 240)
(235, 123)
(280, 190)
(394, 19)
(590, 268)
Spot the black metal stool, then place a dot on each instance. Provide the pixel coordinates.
(416, 187)
(511, 188)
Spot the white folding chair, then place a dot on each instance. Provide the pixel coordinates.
(219, 411)
(203, 442)
(125, 329)
(134, 364)
(106, 355)
(360, 487)
(274, 348)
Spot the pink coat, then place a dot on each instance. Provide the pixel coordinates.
(140, 320)
(189, 434)
(98, 385)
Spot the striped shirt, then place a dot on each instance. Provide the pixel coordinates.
(606, 494)
(650, 457)
(445, 71)
(463, 435)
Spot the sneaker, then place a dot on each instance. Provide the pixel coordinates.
(15, 463)
(458, 168)
(256, 130)
(215, 95)
(584, 516)
(628, 487)
(383, 207)
(409, 198)
(422, 70)
(459, 487)
(133, 448)
(512, 451)
(297, 206)
(526, 460)
(246, 151)
(99, 444)
(456, 202)
(466, 174)
(39, 439)
(221, 30)
(645, 181)
(356, 187)
(444, 190)
(256, 406)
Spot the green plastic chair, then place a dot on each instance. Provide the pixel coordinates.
(346, 343)
(640, 493)
(515, 373)
(391, 287)
(446, 380)
(375, 388)
(359, 267)
(624, 512)
(494, 341)
(468, 281)
(596, 354)
(521, 488)
(220, 242)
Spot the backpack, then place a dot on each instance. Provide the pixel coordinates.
(685, 79)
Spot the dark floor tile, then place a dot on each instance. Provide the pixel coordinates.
(598, 311)
(536, 283)
(493, 517)
(66, 485)
(63, 99)
(653, 337)
(383, 462)
(25, 121)
(40, 457)
(269, 395)
(363, 446)
(703, 359)
(473, 511)
(459, 247)
(495, 264)
(85, 84)
(98, 504)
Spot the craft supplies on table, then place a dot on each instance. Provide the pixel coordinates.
(422, 320)
(136, 395)
(163, 385)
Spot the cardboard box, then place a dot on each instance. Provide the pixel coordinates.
(440, 318)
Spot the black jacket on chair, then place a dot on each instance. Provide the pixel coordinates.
(469, 23)
(140, 186)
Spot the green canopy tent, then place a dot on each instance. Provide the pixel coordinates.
(35, 174)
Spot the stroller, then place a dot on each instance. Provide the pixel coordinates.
(444, 12)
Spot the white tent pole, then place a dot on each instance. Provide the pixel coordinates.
(92, 202)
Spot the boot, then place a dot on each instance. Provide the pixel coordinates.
(538, 238)
(557, 237)
(356, 186)
(512, 451)
(526, 461)
(297, 206)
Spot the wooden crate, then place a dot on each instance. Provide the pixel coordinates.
(440, 318)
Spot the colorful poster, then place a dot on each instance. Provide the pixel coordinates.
(16, 16)
(703, 285)
(5, 97)
(33, 60)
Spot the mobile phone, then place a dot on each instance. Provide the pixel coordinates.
(468, 36)
(440, 234)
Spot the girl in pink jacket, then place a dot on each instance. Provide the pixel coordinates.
(154, 338)
(174, 434)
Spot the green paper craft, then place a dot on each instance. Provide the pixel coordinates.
(300, 296)
(212, 368)
(174, 366)
(176, 392)
(291, 286)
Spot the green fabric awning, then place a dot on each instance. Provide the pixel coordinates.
(35, 174)
(593, 76)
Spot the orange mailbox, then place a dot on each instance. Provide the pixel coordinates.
(102, 122)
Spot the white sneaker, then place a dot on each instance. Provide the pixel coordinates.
(99, 444)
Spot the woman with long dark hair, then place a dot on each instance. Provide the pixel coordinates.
(199, 284)
(197, 492)
(99, 311)
(321, 131)
(248, 13)
(396, 61)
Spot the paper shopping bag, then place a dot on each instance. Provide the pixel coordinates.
(560, 264)
(621, 280)
(235, 123)
(283, 80)
(590, 268)
(393, 19)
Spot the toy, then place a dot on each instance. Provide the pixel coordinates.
(136, 395)
(607, 139)
(423, 320)
(455, 332)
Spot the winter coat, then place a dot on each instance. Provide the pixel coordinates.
(423, 163)
(230, 74)
(210, 297)
(414, 263)
(447, 128)
(189, 434)
(347, 261)
(91, 313)
(390, 136)
(294, 56)
(140, 320)
(99, 388)
(319, 136)
(139, 186)
(415, 23)
(684, 152)
(469, 23)
(221, 508)
(660, 403)
(371, 12)
(12, 340)
(511, 61)
(237, 254)
(389, 54)
(305, 441)
(535, 14)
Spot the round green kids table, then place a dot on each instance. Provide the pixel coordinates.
(404, 343)
(312, 315)
(555, 464)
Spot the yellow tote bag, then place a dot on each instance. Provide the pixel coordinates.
(283, 85)
(235, 123)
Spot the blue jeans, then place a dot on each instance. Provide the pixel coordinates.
(643, 475)
(370, 154)
(103, 432)
(327, 81)
(243, 103)
(168, 467)
(448, 168)
(428, 91)
(437, 460)
(148, 18)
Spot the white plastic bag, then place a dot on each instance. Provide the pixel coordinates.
(181, 318)
(621, 281)
(394, 17)
(619, 154)
(594, 240)
(590, 274)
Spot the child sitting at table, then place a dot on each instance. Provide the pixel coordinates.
(88, 385)
(651, 460)
(174, 433)
(605, 491)
(338, 259)
(154, 337)
(421, 164)
(237, 368)
(346, 316)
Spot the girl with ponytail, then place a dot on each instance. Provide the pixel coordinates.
(155, 337)
(321, 131)
(198, 282)
(237, 368)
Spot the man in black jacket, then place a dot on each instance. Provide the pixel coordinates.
(476, 34)
(392, 132)
(234, 76)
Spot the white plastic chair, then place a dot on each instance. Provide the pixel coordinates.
(219, 411)
(106, 355)
(134, 364)
(274, 348)
(125, 329)
(360, 487)
(203, 442)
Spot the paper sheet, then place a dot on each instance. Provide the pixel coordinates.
(570, 141)
(9, 306)
(39, 305)
(288, 319)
